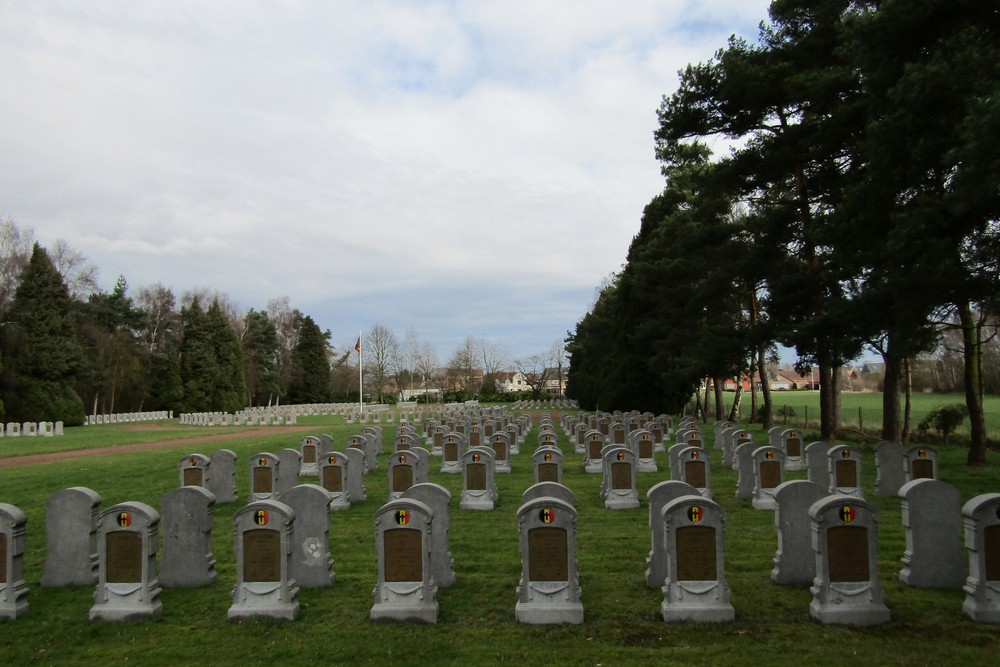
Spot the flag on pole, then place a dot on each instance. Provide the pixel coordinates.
(357, 346)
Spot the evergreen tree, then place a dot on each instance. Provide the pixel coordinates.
(228, 393)
(260, 357)
(312, 380)
(43, 354)
(198, 364)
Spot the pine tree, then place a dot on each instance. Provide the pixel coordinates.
(198, 365)
(312, 381)
(229, 389)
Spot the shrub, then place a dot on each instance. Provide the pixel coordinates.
(944, 420)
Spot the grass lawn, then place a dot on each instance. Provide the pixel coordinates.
(476, 624)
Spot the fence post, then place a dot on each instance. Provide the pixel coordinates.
(861, 423)
(806, 418)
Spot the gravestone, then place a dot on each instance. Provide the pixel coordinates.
(360, 443)
(402, 473)
(437, 498)
(13, 589)
(791, 444)
(423, 464)
(981, 516)
(405, 590)
(195, 470)
(452, 447)
(333, 476)
(186, 521)
(71, 534)
(645, 449)
(693, 465)
(311, 563)
(658, 496)
(309, 452)
(127, 587)
(593, 444)
(263, 552)
(500, 444)
(287, 474)
(263, 476)
(618, 489)
(355, 479)
(548, 489)
(846, 589)
(695, 588)
(743, 463)
(888, 468)
(548, 463)
(932, 515)
(818, 463)
(478, 487)
(728, 446)
(549, 589)
(920, 462)
(845, 471)
(794, 560)
(673, 455)
(769, 473)
(222, 482)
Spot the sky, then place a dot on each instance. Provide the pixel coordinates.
(446, 168)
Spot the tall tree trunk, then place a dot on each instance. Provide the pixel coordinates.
(890, 392)
(973, 384)
(904, 436)
(753, 390)
(734, 413)
(704, 407)
(827, 406)
(719, 406)
(767, 411)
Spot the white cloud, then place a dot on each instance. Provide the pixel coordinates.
(331, 150)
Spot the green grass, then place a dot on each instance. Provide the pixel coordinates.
(476, 624)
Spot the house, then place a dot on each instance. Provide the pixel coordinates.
(509, 382)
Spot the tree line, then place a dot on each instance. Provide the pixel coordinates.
(832, 186)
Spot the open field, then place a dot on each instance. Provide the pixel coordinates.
(476, 625)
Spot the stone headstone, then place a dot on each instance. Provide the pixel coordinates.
(981, 516)
(845, 471)
(693, 468)
(932, 515)
(195, 470)
(437, 498)
(645, 449)
(619, 491)
(310, 454)
(769, 473)
(552, 489)
(71, 534)
(186, 522)
(888, 468)
(593, 444)
(402, 473)
(405, 590)
(13, 589)
(311, 564)
(658, 496)
(794, 560)
(548, 463)
(263, 476)
(478, 486)
(549, 590)
(287, 474)
(695, 589)
(263, 551)
(355, 474)
(920, 462)
(818, 463)
(127, 586)
(791, 443)
(846, 589)
(743, 463)
(333, 476)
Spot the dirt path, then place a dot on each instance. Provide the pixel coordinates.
(31, 459)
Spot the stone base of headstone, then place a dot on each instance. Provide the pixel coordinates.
(545, 612)
(646, 465)
(831, 613)
(980, 612)
(405, 611)
(593, 465)
(764, 502)
(127, 605)
(476, 500)
(450, 467)
(698, 611)
(263, 600)
(621, 501)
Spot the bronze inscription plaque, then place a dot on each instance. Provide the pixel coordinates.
(333, 478)
(645, 449)
(501, 451)
(922, 469)
(3, 558)
(991, 552)
(846, 473)
(547, 555)
(451, 451)
(694, 474)
(123, 563)
(770, 474)
(263, 480)
(793, 447)
(594, 449)
(696, 554)
(548, 472)
(261, 555)
(621, 476)
(402, 478)
(309, 453)
(193, 477)
(475, 477)
(403, 555)
(848, 553)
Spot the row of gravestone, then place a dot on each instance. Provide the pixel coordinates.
(32, 429)
(128, 417)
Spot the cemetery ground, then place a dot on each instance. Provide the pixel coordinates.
(476, 623)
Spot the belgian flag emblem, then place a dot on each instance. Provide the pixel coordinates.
(769, 455)
(124, 519)
(402, 458)
(846, 454)
(922, 453)
(475, 458)
(621, 456)
(695, 456)
(547, 456)
(402, 517)
(192, 461)
(262, 462)
(847, 514)
(261, 517)
(695, 514)
(547, 515)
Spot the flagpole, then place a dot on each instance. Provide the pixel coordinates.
(361, 389)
